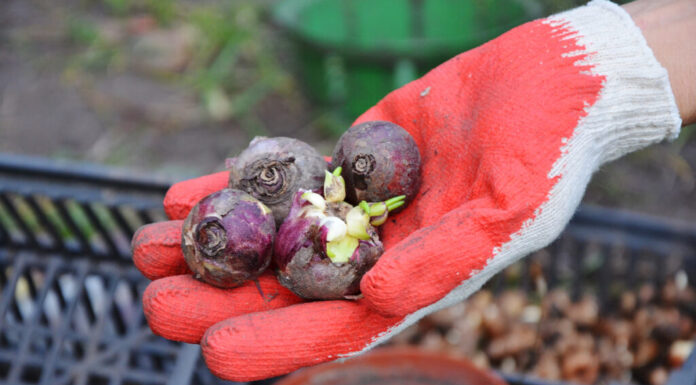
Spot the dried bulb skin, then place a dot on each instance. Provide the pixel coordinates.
(273, 169)
(379, 160)
(227, 238)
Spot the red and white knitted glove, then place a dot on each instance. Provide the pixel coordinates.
(509, 135)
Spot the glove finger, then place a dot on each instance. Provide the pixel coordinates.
(181, 308)
(157, 247)
(157, 250)
(267, 344)
(182, 196)
(445, 255)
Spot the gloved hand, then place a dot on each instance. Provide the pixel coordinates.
(509, 135)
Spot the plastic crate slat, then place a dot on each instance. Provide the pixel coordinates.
(155, 346)
(38, 361)
(565, 243)
(3, 265)
(138, 376)
(121, 367)
(46, 223)
(115, 317)
(32, 328)
(60, 297)
(32, 323)
(27, 234)
(103, 232)
(134, 331)
(660, 268)
(34, 293)
(94, 340)
(31, 285)
(149, 356)
(91, 362)
(633, 258)
(125, 354)
(8, 292)
(121, 221)
(185, 365)
(60, 332)
(5, 238)
(145, 216)
(85, 303)
(576, 266)
(34, 358)
(86, 246)
(15, 234)
(16, 312)
(604, 280)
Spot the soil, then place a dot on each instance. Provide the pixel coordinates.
(124, 117)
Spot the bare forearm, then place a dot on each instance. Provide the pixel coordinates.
(669, 27)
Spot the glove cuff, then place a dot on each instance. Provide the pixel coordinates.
(636, 107)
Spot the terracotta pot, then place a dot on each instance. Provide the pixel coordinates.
(395, 366)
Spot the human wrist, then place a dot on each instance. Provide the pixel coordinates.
(668, 26)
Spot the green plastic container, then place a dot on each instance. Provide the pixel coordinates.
(351, 53)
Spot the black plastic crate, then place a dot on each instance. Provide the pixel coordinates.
(70, 305)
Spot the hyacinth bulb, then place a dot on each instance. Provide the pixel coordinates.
(379, 160)
(228, 237)
(273, 169)
(326, 245)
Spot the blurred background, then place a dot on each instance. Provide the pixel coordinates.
(168, 89)
(174, 87)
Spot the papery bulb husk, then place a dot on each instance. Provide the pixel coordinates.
(274, 169)
(303, 266)
(227, 238)
(380, 160)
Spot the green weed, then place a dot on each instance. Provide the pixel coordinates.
(233, 67)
